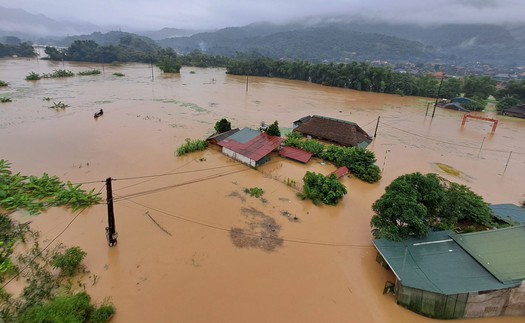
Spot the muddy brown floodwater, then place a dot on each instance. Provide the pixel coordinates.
(188, 247)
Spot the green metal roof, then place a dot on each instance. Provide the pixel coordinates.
(438, 264)
(510, 213)
(501, 252)
(245, 135)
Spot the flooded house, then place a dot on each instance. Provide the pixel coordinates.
(249, 146)
(337, 131)
(515, 111)
(448, 275)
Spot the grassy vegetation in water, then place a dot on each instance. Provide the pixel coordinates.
(254, 191)
(33, 76)
(118, 74)
(5, 99)
(2, 83)
(89, 72)
(192, 145)
(49, 295)
(36, 194)
(59, 106)
(58, 73)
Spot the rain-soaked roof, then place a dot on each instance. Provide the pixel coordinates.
(499, 251)
(438, 264)
(510, 213)
(251, 143)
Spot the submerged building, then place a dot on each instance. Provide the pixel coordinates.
(447, 275)
(337, 131)
(249, 146)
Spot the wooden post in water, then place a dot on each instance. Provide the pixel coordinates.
(377, 126)
(437, 96)
(246, 83)
(111, 234)
(507, 164)
(152, 76)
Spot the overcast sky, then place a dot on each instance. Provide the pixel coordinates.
(206, 14)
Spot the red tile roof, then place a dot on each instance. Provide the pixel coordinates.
(340, 172)
(254, 149)
(296, 154)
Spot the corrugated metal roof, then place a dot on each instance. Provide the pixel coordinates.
(223, 135)
(510, 213)
(500, 251)
(245, 135)
(256, 148)
(438, 264)
(296, 154)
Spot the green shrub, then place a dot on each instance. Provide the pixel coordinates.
(89, 72)
(71, 308)
(33, 77)
(222, 125)
(192, 145)
(320, 188)
(69, 261)
(254, 191)
(102, 314)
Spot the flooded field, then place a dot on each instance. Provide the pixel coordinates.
(181, 256)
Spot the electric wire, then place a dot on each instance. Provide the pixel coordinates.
(216, 227)
(160, 189)
(448, 142)
(19, 272)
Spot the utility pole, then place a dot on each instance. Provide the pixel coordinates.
(152, 76)
(377, 126)
(111, 234)
(437, 96)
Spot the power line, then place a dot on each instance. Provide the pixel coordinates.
(215, 227)
(174, 173)
(156, 190)
(447, 142)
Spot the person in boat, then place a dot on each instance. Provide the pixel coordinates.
(99, 113)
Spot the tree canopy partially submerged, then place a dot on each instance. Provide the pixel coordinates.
(414, 204)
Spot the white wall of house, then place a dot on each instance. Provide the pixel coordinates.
(243, 159)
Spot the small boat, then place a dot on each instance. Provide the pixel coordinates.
(99, 113)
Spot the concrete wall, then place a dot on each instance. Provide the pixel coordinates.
(516, 302)
(504, 302)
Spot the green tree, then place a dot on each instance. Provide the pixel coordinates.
(399, 214)
(167, 61)
(223, 125)
(461, 203)
(478, 104)
(479, 86)
(55, 54)
(414, 204)
(507, 102)
(451, 88)
(273, 129)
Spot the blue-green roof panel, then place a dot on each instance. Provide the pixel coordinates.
(501, 252)
(438, 264)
